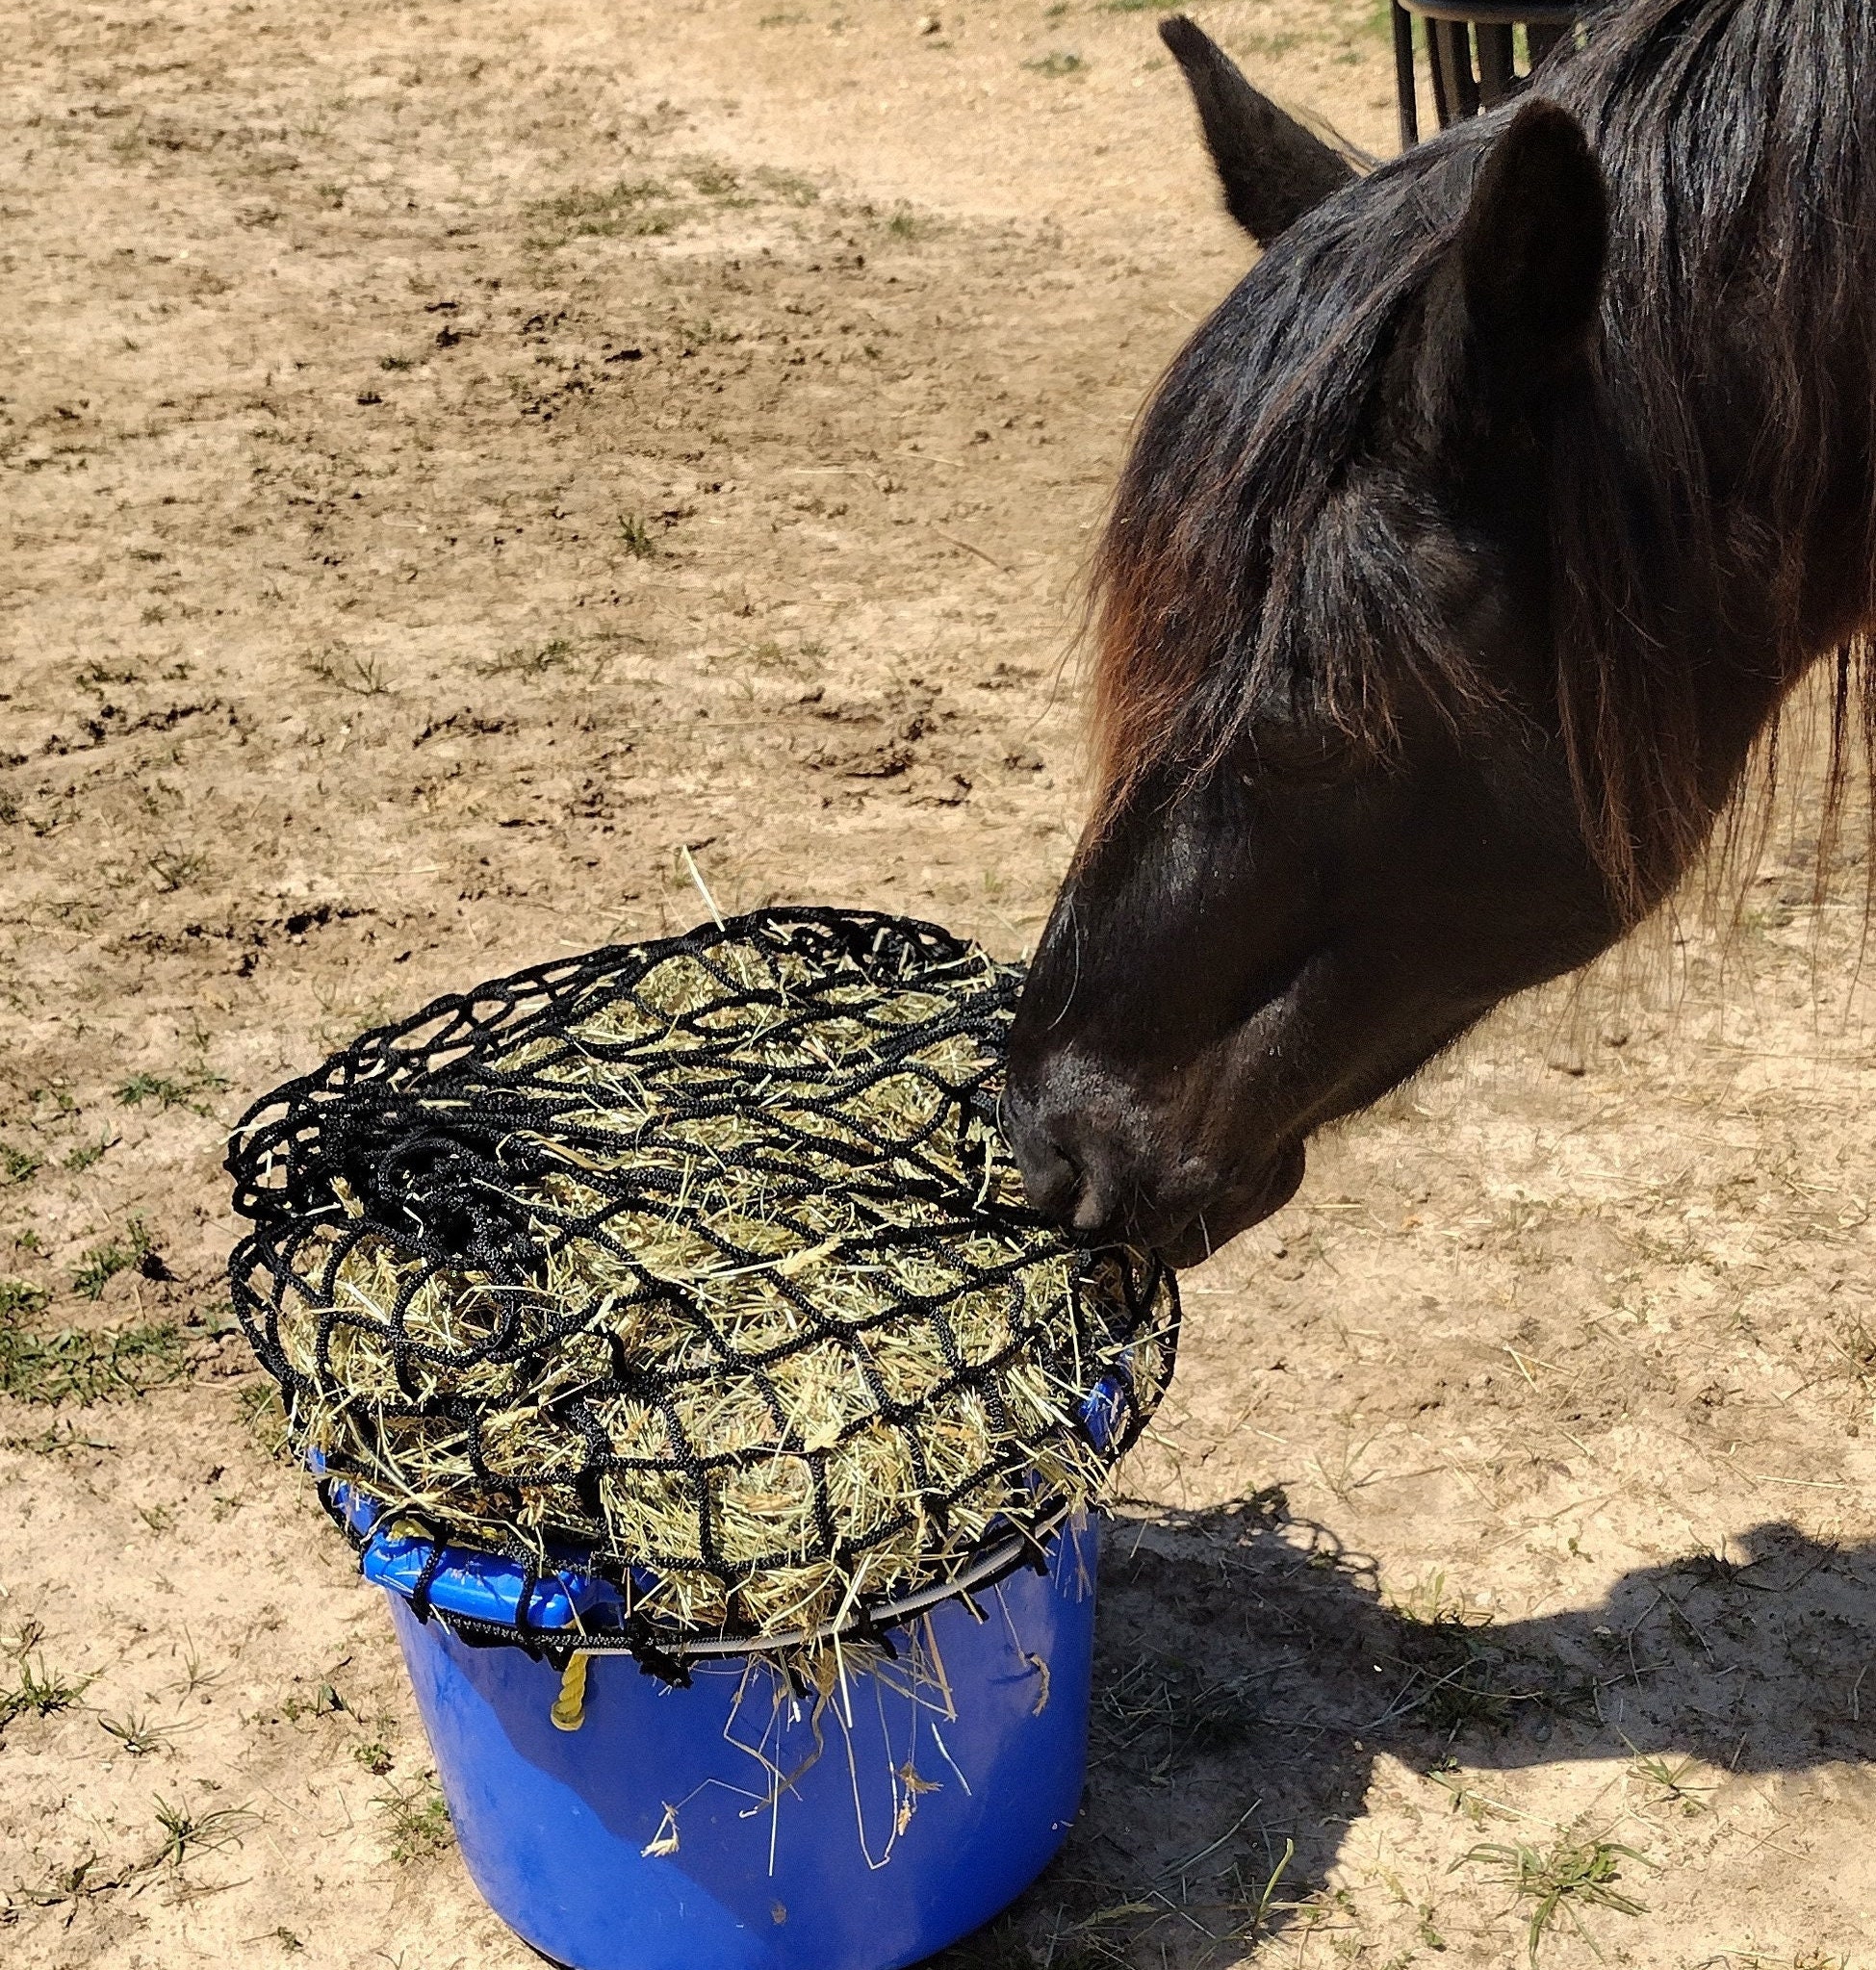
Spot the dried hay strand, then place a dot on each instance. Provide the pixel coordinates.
(698, 1264)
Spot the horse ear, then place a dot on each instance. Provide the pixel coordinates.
(1273, 169)
(1519, 299)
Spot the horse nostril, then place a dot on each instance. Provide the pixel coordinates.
(1068, 1165)
(1050, 1175)
(1059, 1185)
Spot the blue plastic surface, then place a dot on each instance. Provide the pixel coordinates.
(733, 1826)
(482, 1585)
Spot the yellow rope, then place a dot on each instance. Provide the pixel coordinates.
(570, 1705)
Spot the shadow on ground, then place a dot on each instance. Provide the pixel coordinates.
(1248, 1674)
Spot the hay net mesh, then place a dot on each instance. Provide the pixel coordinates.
(698, 1265)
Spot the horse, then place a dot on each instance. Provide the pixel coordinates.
(1460, 561)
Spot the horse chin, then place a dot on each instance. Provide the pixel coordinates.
(1237, 1209)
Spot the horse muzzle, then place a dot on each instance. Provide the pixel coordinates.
(1089, 1163)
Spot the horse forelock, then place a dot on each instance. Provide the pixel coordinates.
(1222, 586)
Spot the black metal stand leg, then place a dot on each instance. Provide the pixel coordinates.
(1498, 75)
(1442, 95)
(1543, 40)
(1455, 89)
(1474, 63)
(1405, 86)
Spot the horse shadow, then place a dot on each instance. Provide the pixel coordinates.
(1248, 1672)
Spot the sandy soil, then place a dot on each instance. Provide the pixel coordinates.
(458, 456)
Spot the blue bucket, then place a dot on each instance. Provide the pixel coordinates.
(738, 1824)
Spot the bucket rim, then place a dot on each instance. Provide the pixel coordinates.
(491, 1599)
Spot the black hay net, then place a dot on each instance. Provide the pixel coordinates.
(698, 1268)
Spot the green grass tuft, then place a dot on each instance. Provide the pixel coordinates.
(19, 1300)
(713, 180)
(71, 1365)
(185, 1832)
(40, 1692)
(531, 662)
(168, 1094)
(789, 187)
(416, 1820)
(1567, 1877)
(629, 207)
(138, 1735)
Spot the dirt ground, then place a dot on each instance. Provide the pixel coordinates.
(458, 456)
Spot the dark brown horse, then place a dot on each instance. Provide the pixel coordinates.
(1462, 556)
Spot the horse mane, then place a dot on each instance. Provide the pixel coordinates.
(1726, 425)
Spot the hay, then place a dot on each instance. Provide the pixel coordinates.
(699, 1263)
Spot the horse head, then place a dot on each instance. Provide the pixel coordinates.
(1343, 808)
